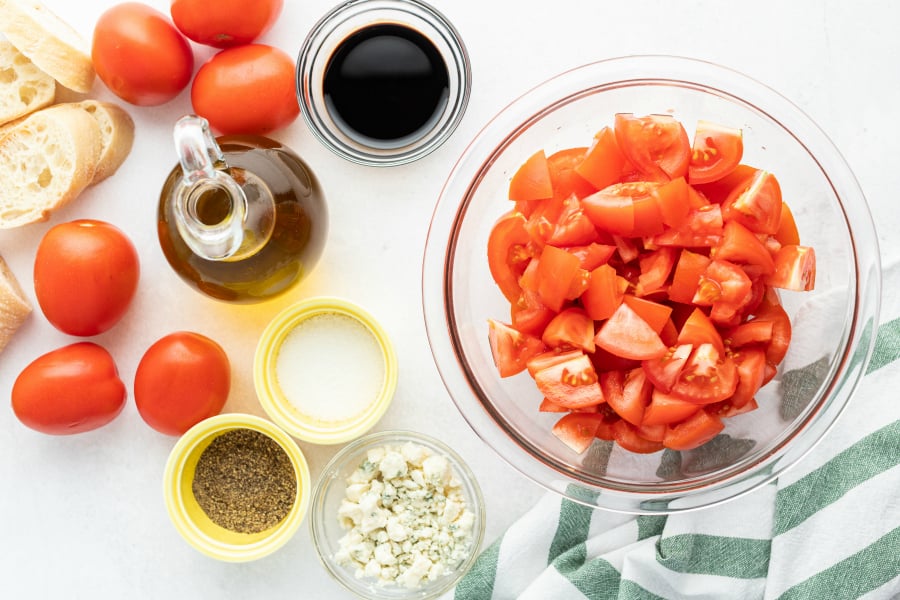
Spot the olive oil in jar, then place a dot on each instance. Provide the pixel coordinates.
(281, 233)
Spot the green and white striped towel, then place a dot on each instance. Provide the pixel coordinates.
(827, 529)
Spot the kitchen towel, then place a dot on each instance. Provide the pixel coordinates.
(828, 528)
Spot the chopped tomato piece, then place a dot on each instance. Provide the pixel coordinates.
(511, 349)
(603, 163)
(613, 385)
(628, 436)
(664, 371)
(656, 267)
(709, 376)
(726, 288)
(740, 245)
(570, 328)
(572, 384)
(657, 145)
(655, 314)
(578, 430)
(795, 269)
(716, 151)
(565, 180)
(756, 204)
(703, 228)
(698, 329)
(688, 270)
(532, 180)
(718, 191)
(550, 358)
(547, 406)
(665, 409)
(770, 310)
(750, 332)
(787, 233)
(652, 433)
(528, 313)
(508, 253)
(603, 295)
(673, 202)
(556, 271)
(592, 255)
(627, 393)
(751, 370)
(572, 227)
(627, 335)
(694, 431)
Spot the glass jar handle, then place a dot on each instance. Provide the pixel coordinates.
(205, 176)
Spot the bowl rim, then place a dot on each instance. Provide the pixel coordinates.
(504, 127)
(329, 474)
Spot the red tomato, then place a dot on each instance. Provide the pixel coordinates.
(756, 204)
(508, 254)
(182, 379)
(85, 275)
(657, 145)
(511, 349)
(627, 335)
(664, 371)
(246, 90)
(603, 163)
(572, 384)
(529, 315)
(717, 150)
(69, 390)
(139, 54)
(572, 227)
(564, 177)
(795, 269)
(628, 436)
(707, 377)
(226, 23)
(740, 245)
(666, 409)
(532, 180)
(695, 431)
(570, 328)
(578, 430)
(557, 270)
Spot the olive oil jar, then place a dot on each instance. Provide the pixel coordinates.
(241, 218)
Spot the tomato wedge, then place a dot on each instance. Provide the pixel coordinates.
(578, 430)
(508, 253)
(511, 349)
(666, 409)
(694, 431)
(572, 383)
(532, 180)
(627, 335)
(564, 178)
(716, 151)
(657, 145)
(556, 271)
(572, 328)
(664, 371)
(707, 377)
(756, 204)
(628, 436)
(603, 163)
(795, 269)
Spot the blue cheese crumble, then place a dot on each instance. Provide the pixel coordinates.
(406, 517)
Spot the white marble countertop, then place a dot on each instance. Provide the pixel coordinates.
(84, 515)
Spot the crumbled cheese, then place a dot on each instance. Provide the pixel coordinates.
(406, 517)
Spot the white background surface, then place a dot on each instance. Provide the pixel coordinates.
(83, 516)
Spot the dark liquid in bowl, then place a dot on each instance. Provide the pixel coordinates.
(386, 83)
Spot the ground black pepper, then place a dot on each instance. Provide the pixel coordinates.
(244, 481)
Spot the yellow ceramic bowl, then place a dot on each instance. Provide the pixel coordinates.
(303, 424)
(192, 522)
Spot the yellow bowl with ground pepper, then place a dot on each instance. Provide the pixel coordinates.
(236, 487)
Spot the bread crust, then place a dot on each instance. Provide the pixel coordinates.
(46, 160)
(117, 134)
(14, 305)
(49, 42)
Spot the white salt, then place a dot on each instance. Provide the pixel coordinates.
(330, 367)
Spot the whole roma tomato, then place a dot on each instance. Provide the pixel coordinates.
(140, 56)
(181, 380)
(248, 89)
(225, 23)
(73, 389)
(85, 275)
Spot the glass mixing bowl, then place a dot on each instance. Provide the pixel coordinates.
(833, 326)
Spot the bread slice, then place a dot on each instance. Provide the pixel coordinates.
(51, 43)
(23, 87)
(14, 306)
(116, 132)
(46, 160)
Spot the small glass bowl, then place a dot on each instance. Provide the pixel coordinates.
(188, 517)
(351, 17)
(326, 529)
(279, 407)
(833, 326)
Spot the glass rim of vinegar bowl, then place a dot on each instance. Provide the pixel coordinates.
(757, 467)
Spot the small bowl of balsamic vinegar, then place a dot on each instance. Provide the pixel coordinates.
(383, 82)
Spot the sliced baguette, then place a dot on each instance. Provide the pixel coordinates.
(51, 43)
(14, 306)
(46, 160)
(23, 87)
(116, 132)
